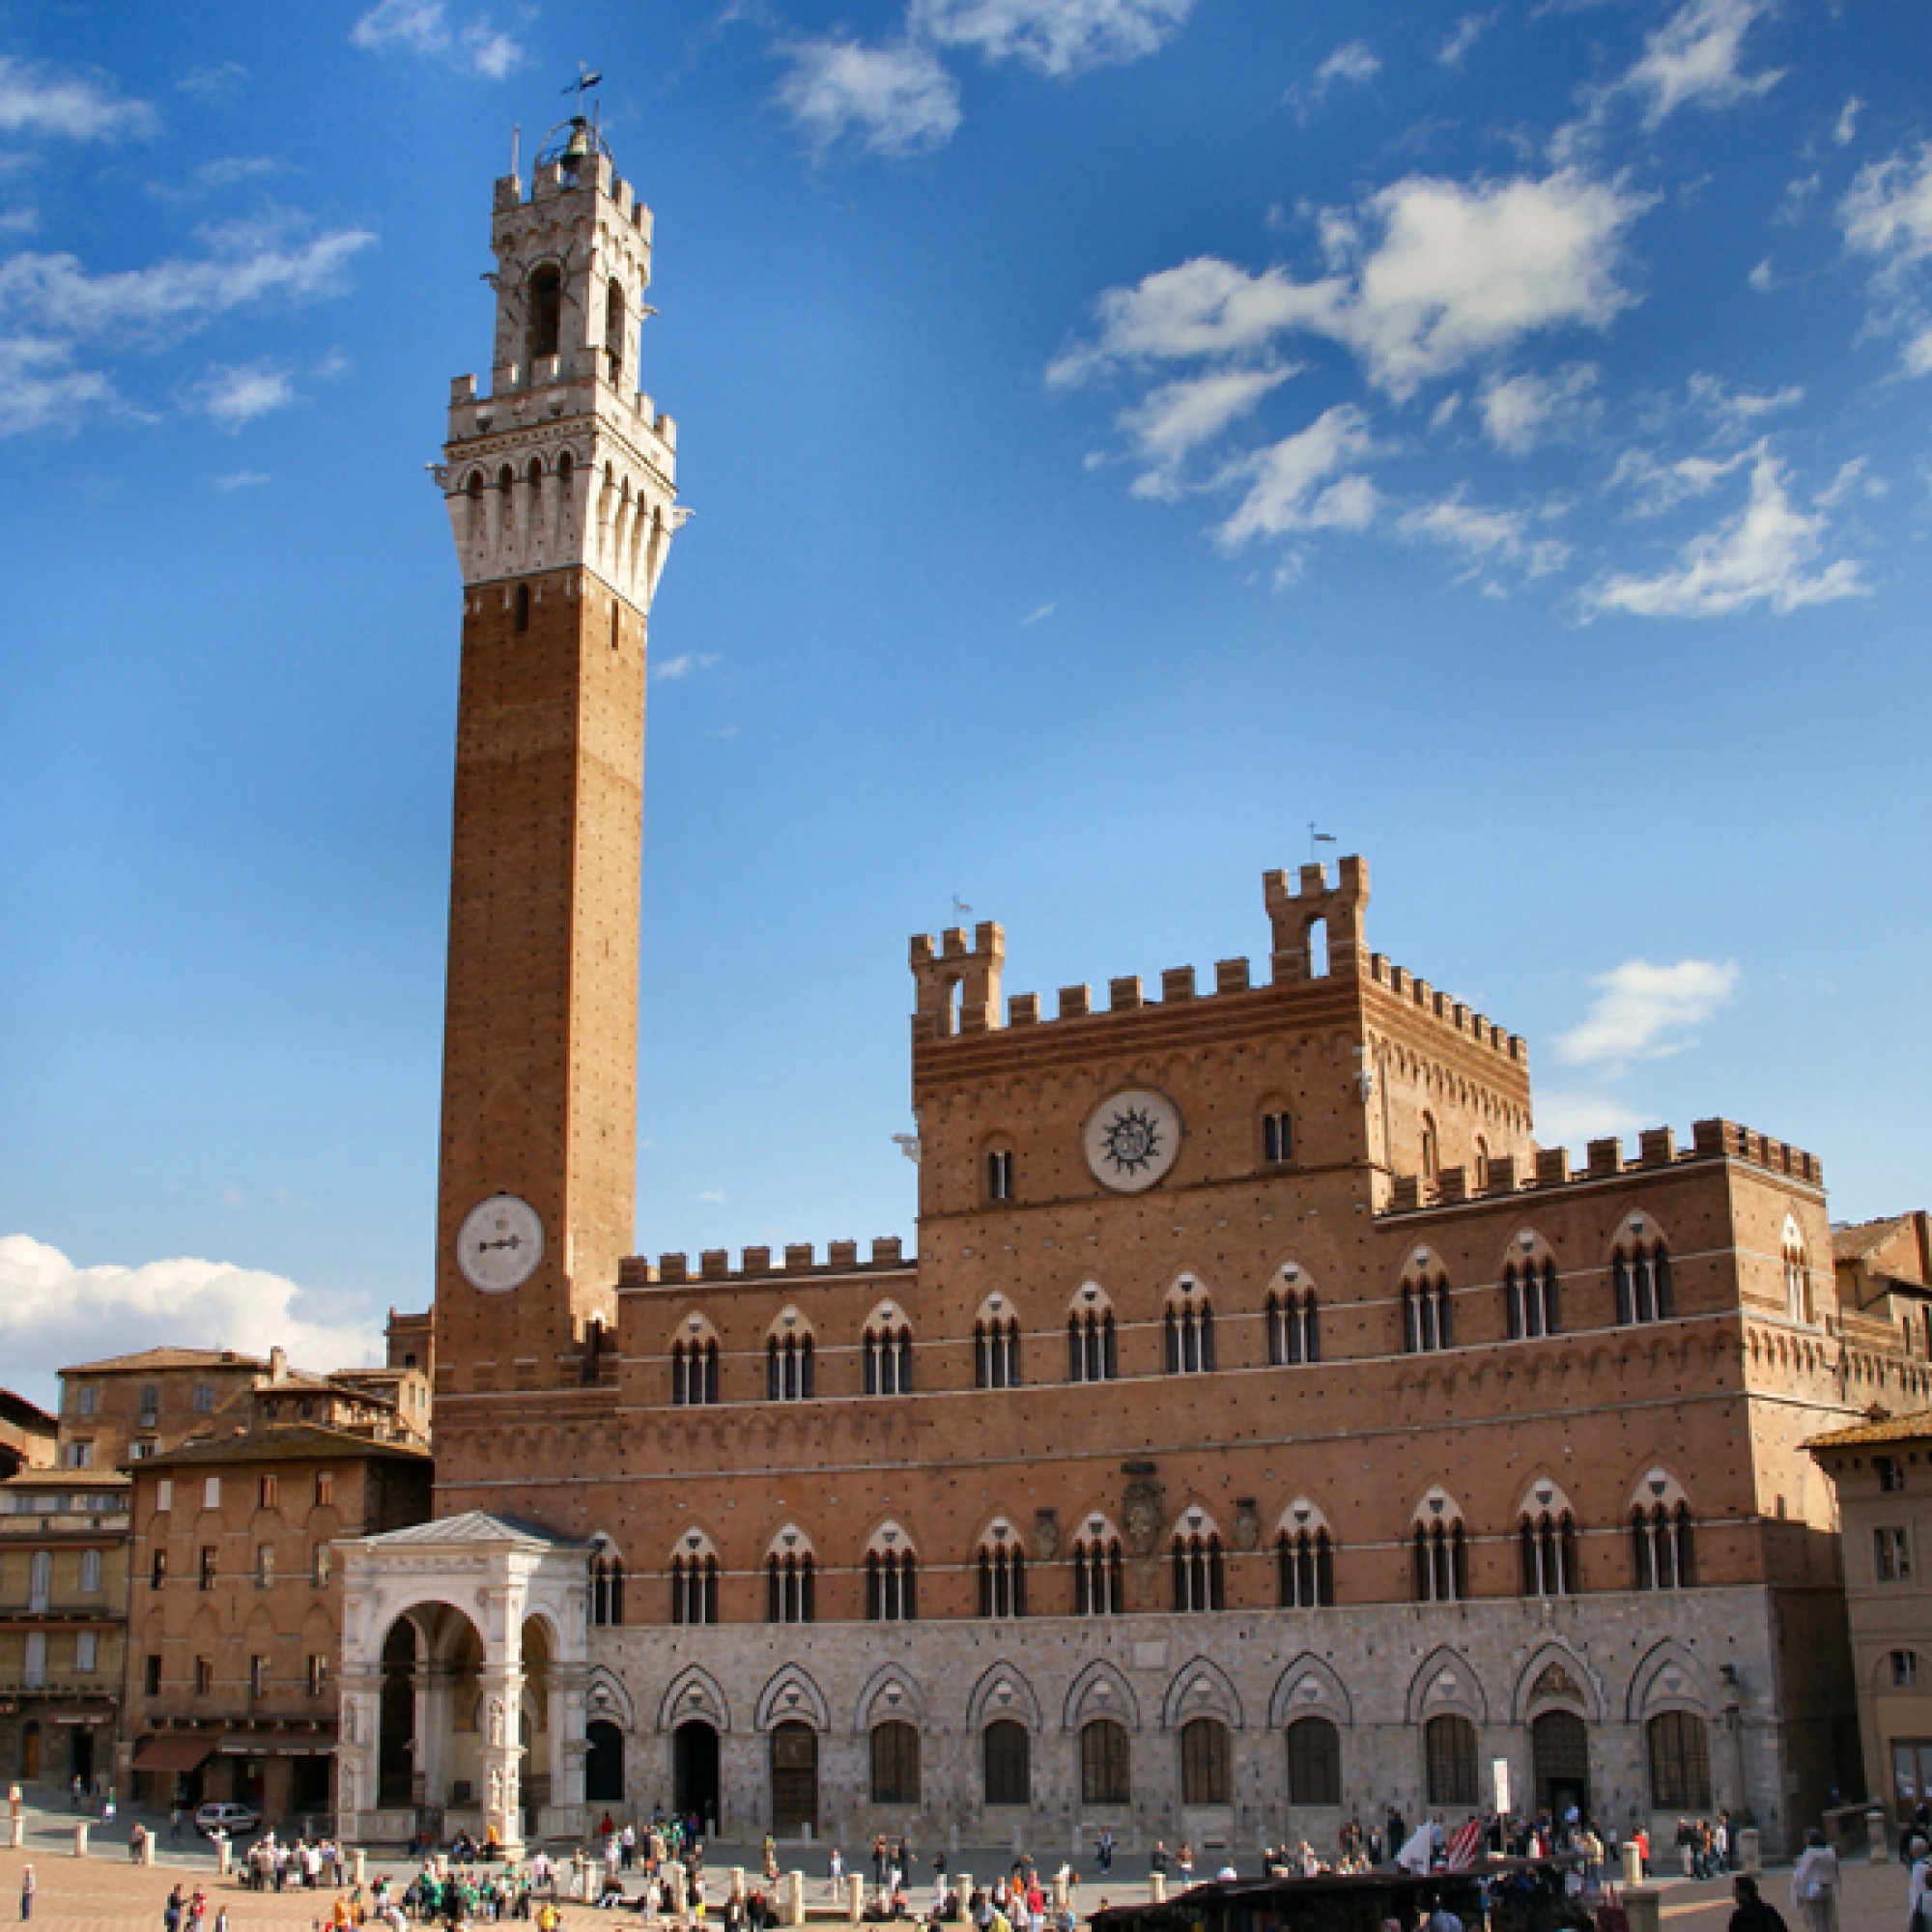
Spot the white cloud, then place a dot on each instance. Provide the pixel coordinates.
(41, 389)
(1846, 127)
(423, 27)
(1433, 275)
(1734, 412)
(1521, 412)
(1179, 417)
(1039, 614)
(669, 670)
(1355, 65)
(1056, 37)
(53, 1313)
(712, 1196)
(1659, 486)
(1918, 353)
(247, 264)
(1297, 484)
(1645, 1012)
(37, 100)
(1569, 1118)
(1762, 555)
(1696, 58)
(1887, 211)
(241, 479)
(1486, 535)
(1468, 30)
(236, 396)
(1761, 278)
(893, 99)
(220, 82)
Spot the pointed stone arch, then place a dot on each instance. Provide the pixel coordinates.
(1445, 1685)
(892, 1694)
(1557, 1679)
(694, 1692)
(1004, 1691)
(792, 1697)
(1309, 1687)
(1100, 1691)
(1202, 1689)
(1668, 1678)
(605, 1697)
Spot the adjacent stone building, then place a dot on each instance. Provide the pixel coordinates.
(29, 1436)
(1881, 1471)
(1264, 1430)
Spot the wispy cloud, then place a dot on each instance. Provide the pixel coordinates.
(1057, 37)
(894, 99)
(1486, 535)
(1467, 31)
(667, 670)
(1180, 417)
(1352, 64)
(241, 479)
(42, 389)
(711, 1197)
(1521, 412)
(233, 397)
(1570, 1117)
(1646, 1012)
(53, 1312)
(425, 28)
(37, 100)
(1307, 481)
(1763, 556)
(1886, 218)
(1039, 614)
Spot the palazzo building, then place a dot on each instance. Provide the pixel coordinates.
(1263, 1430)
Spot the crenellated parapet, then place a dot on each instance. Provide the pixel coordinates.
(795, 1260)
(956, 986)
(1311, 918)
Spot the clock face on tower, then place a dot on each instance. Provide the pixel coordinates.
(500, 1244)
(1132, 1140)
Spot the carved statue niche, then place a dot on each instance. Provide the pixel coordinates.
(1141, 1514)
(497, 1722)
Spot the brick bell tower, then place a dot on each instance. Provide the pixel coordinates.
(560, 485)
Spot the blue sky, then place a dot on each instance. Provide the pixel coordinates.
(1121, 431)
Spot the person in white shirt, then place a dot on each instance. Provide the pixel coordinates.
(1814, 1884)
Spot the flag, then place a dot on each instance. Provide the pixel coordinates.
(1463, 1849)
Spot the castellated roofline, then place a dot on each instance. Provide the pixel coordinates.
(1606, 1160)
(796, 1260)
(957, 984)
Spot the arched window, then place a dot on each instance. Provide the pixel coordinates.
(1641, 1273)
(1293, 1321)
(1314, 1762)
(1106, 1768)
(1002, 1573)
(521, 605)
(1427, 1315)
(1482, 1150)
(693, 1365)
(790, 1592)
(614, 320)
(1306, 1560)
(1007, 1759)
(607, 1588)
(998, 1175)
(1204, 1761)
(996, 1344)
(888, 1351)
(1661, 1546)
(1189, 1325)
(1680, 1762)
(1277, 1139)
(1090, 1356)
(1441, 1552)
(1546, 1543)
(789, 1361)
(895, 1764)
(1450, 1746)
(1097, 1579)
(1529, 1299)
(546, 311)
(890, 1578)
(1199, 1580)
(1798, 1300)
(1432, 1150)
(694, 1580)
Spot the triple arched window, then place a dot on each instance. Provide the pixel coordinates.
(1530, 1307)
(996, 1346)
(1199, 1577)
(892, 1593)
(1294, 1324)
(1189, 1325)
(1441, 1554)
(788, 1367)
(1547, 1545)
(1641, 1273)
(792, 1594)
(1661, 1546)
(1092, 1355)
(1798, 1300)
(888, 1357)
(1002, 1573)
(1097, 1579)
(1427, 1317)
(693, 1585)
(607, 1588)
(694, 1370)
(1306, 1560)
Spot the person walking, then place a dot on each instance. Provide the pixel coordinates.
(1752, 1914)
(1814, 1882)
(29, 1885)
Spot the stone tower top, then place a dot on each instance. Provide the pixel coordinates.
(565, 461)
